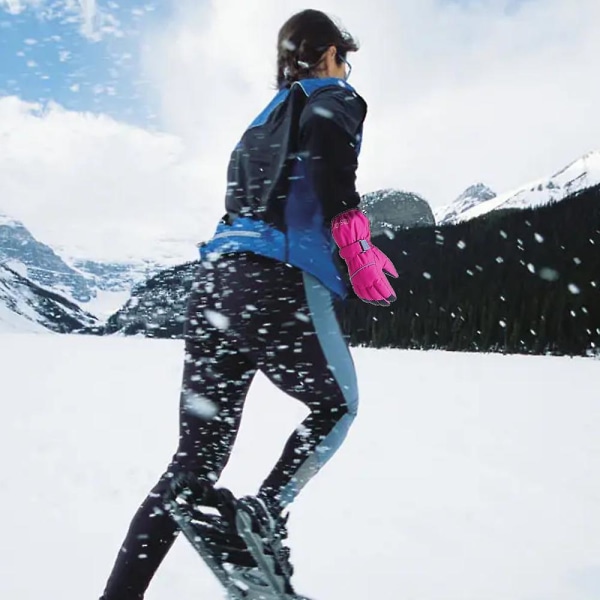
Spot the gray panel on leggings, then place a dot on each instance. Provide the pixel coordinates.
(340, 363)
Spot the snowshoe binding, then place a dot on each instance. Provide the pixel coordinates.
(264, 536)
(205, 516)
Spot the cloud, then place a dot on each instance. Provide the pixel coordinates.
(88, 14)
(14, 7)
(99, 188)
(458, 91)
(94, 22)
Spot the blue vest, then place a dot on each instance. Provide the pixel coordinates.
(305, 241)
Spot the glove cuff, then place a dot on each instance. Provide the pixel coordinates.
(355, 248)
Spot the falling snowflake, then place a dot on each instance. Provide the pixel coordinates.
(288, 45)
(216, 319)
(303, 431)
(549, 274)
(302, 317)
(323, 112)
(200, 407)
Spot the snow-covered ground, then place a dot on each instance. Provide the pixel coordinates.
(465, 477)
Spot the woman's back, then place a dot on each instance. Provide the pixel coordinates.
(291, 173)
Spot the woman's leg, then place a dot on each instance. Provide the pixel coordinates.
(287, 322)
(323, 377)
(216, 379)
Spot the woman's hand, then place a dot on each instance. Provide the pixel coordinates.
(367, 265)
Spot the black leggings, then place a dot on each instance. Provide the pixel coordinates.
(246, 313)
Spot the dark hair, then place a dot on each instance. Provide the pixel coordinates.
(301, 42)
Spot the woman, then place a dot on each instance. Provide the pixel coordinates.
(263, 298)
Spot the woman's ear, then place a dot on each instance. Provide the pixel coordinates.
(332, 51)
(337, 57)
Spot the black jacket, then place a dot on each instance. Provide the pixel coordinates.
(293, 170)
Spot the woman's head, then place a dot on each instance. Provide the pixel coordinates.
(310, 44)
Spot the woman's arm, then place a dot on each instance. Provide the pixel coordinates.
(329, 128)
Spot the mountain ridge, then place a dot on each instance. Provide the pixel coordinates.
(39, 306)
(579, 174)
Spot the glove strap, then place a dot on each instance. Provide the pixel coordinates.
(354, 249)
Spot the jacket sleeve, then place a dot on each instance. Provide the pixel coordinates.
(329, 128)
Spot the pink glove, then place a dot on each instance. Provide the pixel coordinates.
(366, 264)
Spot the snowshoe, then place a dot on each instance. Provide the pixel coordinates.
(264, 536)
(207, 518)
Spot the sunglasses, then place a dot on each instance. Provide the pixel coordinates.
(307, 66)
(348, 67)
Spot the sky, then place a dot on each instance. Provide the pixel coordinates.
(117, 117)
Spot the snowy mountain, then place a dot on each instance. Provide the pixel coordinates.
(23, 253)
(25, 306)
(96, 286)
(156, 306)
(392, 210)
(113, 282)
(115, 276)
(580, 174)
(471, 197)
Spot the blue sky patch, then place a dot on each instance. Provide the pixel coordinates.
(83, 62)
